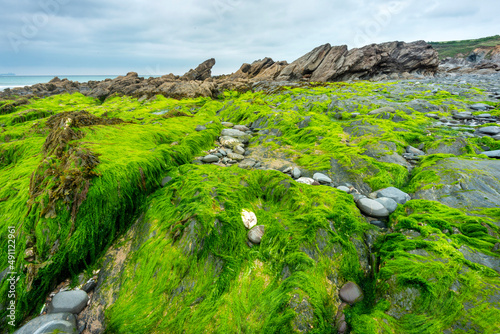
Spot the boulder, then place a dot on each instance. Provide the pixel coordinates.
(394, 193)
(372, 208)
(240, 135)
(69, 301)
(210, 158)
(296, 173)
(255, 234)
(388, 203)
(351, 293)
(321, 178)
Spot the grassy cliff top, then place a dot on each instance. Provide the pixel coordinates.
(452, 48)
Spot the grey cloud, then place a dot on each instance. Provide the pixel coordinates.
(108, 36)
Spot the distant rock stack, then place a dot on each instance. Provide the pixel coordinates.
(394, 60)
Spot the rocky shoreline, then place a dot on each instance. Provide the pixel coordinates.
(280, 205)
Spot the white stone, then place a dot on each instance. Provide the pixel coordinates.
(249, 218)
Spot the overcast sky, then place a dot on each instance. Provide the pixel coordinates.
(158, 37)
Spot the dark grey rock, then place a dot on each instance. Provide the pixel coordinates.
(165, 180)
(89, 286)
(210, 158)
(475, 256)
(69, 301)
(351, 293)
(304, 123)
(388, 203)
(321, 178)
(378, 223)
(200, 128)
(394, 193)
(372, 208)
(492, 154)
(256, 233)
(45, 324)
(478, 186)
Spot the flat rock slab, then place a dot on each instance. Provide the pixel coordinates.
(256, 233)
(492, 154)
(490, 130)
(69, 301)
(44, 324)
(481, 106)
(321, 178)
(394, 193)
(372, 208)
(351, 293)
(463, 115)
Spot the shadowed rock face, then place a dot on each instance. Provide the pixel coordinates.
(202, 72)
(327, 63)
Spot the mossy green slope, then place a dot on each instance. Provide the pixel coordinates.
(133, 156)
(202, 276)
(187, 266)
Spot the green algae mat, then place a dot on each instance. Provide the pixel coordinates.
(80, 190)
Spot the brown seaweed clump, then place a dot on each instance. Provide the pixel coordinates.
(67, 168)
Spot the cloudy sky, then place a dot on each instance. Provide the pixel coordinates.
(157, 37)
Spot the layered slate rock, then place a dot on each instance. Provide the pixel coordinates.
(202, 72)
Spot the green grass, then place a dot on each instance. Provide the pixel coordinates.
(453, 48)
